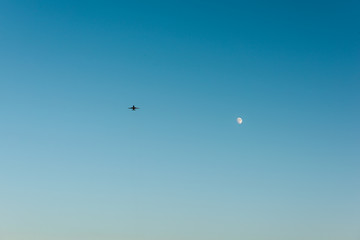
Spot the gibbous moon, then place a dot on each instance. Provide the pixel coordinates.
(239, 120)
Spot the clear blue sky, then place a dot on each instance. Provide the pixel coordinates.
(76, 164)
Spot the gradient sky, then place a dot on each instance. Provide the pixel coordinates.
(76, 164)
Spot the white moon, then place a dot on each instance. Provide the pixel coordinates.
(239, 120)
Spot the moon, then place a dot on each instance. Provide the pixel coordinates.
(239, 120)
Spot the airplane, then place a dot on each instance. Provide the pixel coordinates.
(133, 107)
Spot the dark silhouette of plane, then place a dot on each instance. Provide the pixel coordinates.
(133, 107)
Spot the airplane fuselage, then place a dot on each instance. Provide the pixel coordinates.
(133, 108)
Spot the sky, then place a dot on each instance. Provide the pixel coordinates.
(77, 164)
